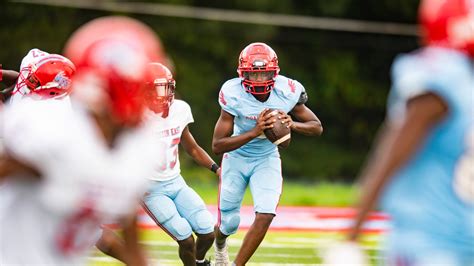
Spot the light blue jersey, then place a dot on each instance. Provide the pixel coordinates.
(433, 216)
(245, 108)
(256, 164)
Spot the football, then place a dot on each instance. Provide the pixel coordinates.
(279, 134)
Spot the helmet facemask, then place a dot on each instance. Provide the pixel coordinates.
(161, 96)
(258, 67)
(258, 80)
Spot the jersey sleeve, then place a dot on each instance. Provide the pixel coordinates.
(188, 115)
(293, 92)
(427, 71)
(227, 100)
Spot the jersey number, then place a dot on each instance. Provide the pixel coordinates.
(174, 148)
(38, 53)
(78, 231)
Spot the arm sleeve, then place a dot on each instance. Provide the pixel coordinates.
(188, 115)
(227, 102)
(294, 93)
(429, 71)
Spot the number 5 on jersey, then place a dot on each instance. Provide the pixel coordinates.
(171, 153)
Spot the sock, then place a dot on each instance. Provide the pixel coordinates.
(220, 246)
(201, 261)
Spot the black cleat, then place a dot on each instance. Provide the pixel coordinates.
(204, 263)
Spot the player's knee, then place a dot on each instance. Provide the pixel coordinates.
(203, 222)
(179, 227)
(187, 244)
(230, 221)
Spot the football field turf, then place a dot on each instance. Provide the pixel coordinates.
(278, 248)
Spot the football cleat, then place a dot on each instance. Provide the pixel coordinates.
(222, 256)
(204, 263)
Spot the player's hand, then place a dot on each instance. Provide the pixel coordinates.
(264, 121)
(218, 172)
(285, 119)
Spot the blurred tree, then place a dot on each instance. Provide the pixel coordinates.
(346, 74)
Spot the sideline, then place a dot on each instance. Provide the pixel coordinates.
(290, 218)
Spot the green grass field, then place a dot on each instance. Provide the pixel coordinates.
(278, 248)
(294, 194)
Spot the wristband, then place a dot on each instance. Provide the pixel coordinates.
(214, 167)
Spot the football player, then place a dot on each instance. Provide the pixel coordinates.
(43, 76)
(170, 202)
(249, 158)
(422, 163)
(75, 169)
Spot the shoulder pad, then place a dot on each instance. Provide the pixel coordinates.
(303, 97)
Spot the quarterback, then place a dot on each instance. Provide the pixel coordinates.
(249, 158)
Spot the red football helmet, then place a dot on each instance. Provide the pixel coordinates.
(448, 23)
(112, 55)
(160, 89)
(258, 67)
(50, 77)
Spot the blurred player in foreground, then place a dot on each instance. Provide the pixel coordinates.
(423, 162)
(76, 169)
(250, 159)
(170, 202)
(43, 77)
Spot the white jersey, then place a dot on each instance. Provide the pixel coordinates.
(55, 220)
(21, 90)
(169, 130)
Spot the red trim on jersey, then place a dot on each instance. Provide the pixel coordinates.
(175, 141)
(221, 98)
(281, 192)
(292, 85)
(219, 193)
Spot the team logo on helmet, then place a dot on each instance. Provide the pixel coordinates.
(62, 81)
